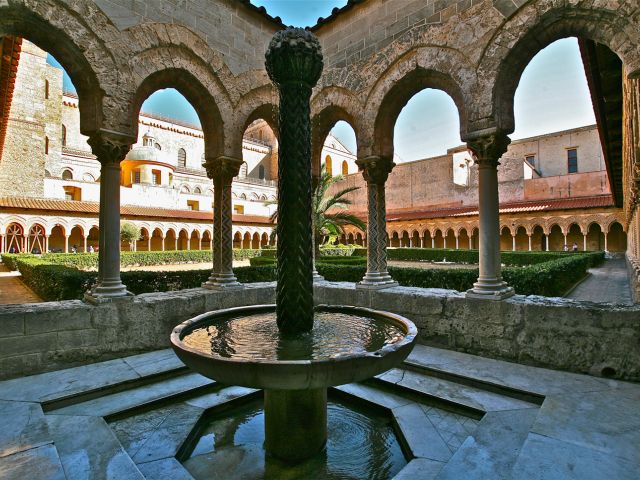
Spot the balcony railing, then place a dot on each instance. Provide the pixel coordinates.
(256, 181)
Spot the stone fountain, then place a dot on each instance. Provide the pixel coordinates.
(292, 350)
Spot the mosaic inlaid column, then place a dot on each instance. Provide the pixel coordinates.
(375, 171)
(222, 170)
(487, 151)
(110, 149)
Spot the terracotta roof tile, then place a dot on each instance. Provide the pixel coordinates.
(125, 210)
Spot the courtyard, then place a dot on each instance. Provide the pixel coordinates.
(468, 315)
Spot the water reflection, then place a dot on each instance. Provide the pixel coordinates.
(256, 337)
(361, 444)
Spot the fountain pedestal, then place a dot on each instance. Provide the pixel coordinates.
(295, 423)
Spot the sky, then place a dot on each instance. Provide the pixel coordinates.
(552, 95)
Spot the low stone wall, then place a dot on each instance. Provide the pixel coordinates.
(556, 333)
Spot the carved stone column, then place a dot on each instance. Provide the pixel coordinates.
(486, 151)
(375, 171)
(222, 170)
(110, 148)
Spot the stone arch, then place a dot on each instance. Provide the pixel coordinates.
(534, 27)
(329, 106)
(259, 103)
(76, 36)
(422, 67)
(196, 71)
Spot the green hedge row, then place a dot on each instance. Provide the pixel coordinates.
(62, 282)
(90, 260)
(338, 260)
(468, 256)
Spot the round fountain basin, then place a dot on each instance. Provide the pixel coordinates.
(242, 346)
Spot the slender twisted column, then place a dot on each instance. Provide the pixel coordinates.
(110, 148)
(222, 170)
(487, 150)
(375, 171)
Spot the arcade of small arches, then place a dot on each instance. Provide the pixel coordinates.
(58, 235)
(606, 234)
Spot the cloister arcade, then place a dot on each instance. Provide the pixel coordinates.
(66, 234)
(127, 63)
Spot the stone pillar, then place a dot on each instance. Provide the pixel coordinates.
(149, 242)
(487, 150)
(513, 243)
(375, 171)
(110, 149)
(457, 243)
(606, 248)
(66, 244)
(565, 240)
(222, 170)
(200, 242)
(175, 242)
(2, 244)
(529, 242)
(584, 242)
(546, 243)
(433, 242)
(46, 244)
(444, 241)
(85, 243)
(163, 239)
(422, 241)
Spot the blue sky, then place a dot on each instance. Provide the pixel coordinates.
(552, 95)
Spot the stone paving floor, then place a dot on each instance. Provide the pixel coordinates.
(608, 283)
(12, 290)
(461, 416)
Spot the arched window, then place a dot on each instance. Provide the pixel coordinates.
(327, 162)
(87, 177)
(261, 172)
(185, 189)
(345, 168)
(67, 174)
(46, 145)
(243, 170)
(182, 158)
(64, 136)
(14, 238)
(197, 190)
(158, 146)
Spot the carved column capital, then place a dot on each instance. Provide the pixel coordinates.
(487, 149)
(110, 147)
(375, 169)
(223, 168)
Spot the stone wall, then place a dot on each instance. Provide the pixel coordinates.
(556, 333)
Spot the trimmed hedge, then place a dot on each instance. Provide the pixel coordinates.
(87, 261)
(470, 256)
(62, 282)
(338, 260)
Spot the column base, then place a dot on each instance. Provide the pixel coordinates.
(499, 291)
(225, 281)
(376, 281)
(94, 297)
(316, 276)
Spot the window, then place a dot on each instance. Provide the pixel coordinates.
(156, 175)
(182, 158)
(261, 172)
(46, 145)
(345, 168)
(185, 189)
(193, 205)
(327, 162)
(64, 136)
(67, 175)
(72, 193)
(46, 89)
(136, 176)
(158, 146)
(531, 160)
(239, 209)
(572, 160)
(197, 191)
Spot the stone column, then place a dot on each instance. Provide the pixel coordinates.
(565, 239)
(200, 242)
(85, 243)
(66, 244)
(175, 242)
(46, 244)
(487, 150)
(110, 149)
(221, 170)
(546, 243)
(585, 242)
(444, 241)
(457, 243)
(375, 171)
(529, 242)
(606, 248)
(2, 244)
(149, 242)
(422, 241)
(513, 243)
(433, 241)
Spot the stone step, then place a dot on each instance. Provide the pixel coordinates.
(449, 393)
(140, 397)
(88, 449)
(471, 381)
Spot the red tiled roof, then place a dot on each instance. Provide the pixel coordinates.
(125, 210)
(511, 207)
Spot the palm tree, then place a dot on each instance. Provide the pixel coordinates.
(327, 226)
